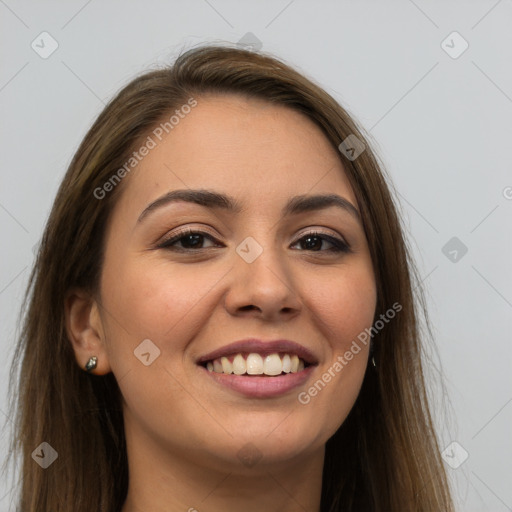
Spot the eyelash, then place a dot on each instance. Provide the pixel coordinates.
(339, 246)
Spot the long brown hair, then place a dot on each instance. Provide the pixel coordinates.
(384, 457)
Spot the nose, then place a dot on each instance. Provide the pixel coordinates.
(264, 288)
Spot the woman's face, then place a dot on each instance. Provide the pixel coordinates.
(249, 272)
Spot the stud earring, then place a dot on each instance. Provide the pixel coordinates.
(91, 364)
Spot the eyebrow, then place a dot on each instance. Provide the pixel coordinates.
(217, 200)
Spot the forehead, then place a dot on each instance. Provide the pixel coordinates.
(260, 152)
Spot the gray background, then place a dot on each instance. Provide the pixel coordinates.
(443, 127)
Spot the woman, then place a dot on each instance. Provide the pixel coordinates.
(221, 312)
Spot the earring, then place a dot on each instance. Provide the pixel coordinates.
(91, 364)
(372, 354)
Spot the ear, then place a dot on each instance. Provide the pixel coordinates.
(85, 330)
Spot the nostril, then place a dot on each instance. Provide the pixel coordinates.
(248, 308)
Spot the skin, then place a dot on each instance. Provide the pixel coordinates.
(183, 430)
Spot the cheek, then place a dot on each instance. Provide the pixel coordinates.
(156, 300)
(344, 309)
(152, 297)
(346, 305)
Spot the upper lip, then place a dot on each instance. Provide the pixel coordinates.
(261, 347)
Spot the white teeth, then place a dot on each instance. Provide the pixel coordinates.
(272, 365)
(295, 363)
(227, 367)
(217, 366)
(239, 365)
(255, 364)
(287, 364)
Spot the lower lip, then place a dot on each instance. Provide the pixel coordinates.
(255, 386)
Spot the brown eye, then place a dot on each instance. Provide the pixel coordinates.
(190, 240)
(315, 240)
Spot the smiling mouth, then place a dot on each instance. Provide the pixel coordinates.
(247, 364)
